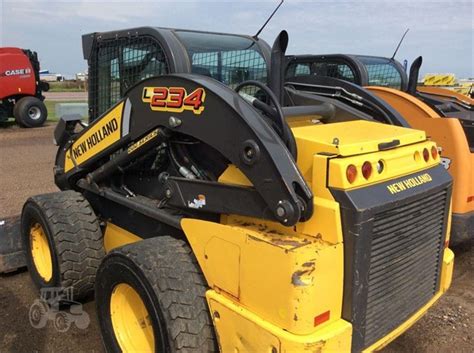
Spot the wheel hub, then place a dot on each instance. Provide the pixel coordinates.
(130, 320)
(40, 252)
(34, 113)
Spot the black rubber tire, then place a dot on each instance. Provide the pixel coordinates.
(22, 108)
(74, 237)
(166, 275)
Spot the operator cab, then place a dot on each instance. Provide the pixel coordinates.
(362, 70)
(120, 59)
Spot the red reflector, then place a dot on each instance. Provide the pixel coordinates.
(318, 320)
(426, 155)
(470, 198)
(351, 173)
(434, 152)
(366, 170)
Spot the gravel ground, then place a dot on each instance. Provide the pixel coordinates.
(26, 162)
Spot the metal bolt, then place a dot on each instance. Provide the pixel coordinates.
(168, 193)
(280, 211)
(335, 141)
(174, 122)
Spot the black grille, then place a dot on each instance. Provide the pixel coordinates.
(404, 263)
(393, 246)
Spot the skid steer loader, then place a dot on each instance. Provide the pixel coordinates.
(205, 215)
(446, 116)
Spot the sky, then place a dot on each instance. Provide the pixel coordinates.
(442, 31)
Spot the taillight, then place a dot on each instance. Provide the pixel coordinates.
(351, 173)
(380, 166)
(426, 154)
(416, 156)
(367, 170)
(434, 152)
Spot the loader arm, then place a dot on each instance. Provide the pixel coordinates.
(194, 106)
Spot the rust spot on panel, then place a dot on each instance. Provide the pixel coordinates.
(303, 277)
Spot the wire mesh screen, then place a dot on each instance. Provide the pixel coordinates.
(328, 69)
(384, 75)
(231, 67)
(117, 64)
(302, 69)
(382, 71)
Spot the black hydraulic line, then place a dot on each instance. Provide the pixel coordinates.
(340, 94)
(141, 204)
(134, 151)
(286, 134)
(183, 151)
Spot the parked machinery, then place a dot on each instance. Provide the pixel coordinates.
(446, 116)
(233, 221)
(20, 87)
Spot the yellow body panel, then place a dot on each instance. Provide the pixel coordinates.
(397, 162)
(352, 137)
(240, 330)
(456, 156)
(232, 175)
(288, 279)
(116, 236)
(101, 135)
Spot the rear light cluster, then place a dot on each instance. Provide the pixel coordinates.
(426, 154)
(367, 170)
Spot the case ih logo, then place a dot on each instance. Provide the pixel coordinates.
(16, 72)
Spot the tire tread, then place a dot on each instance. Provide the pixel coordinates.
(173, 272)
(77, 237)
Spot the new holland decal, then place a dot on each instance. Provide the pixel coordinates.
(409, 183)
(98, 137)
(174, 99)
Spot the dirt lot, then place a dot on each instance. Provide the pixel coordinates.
(26, 162)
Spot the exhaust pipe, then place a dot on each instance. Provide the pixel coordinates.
(277, 65)
(413, 78)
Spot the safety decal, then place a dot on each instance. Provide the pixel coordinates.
(445, 161)
(200, 202)
(409, 183)
(174, 99)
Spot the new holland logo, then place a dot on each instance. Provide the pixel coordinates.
(95, 138)
(409, 183)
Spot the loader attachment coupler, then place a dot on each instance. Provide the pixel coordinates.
(195, 110)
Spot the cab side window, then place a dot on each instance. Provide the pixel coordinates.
(117, 65)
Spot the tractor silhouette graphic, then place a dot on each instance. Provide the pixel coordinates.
(48, 308)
